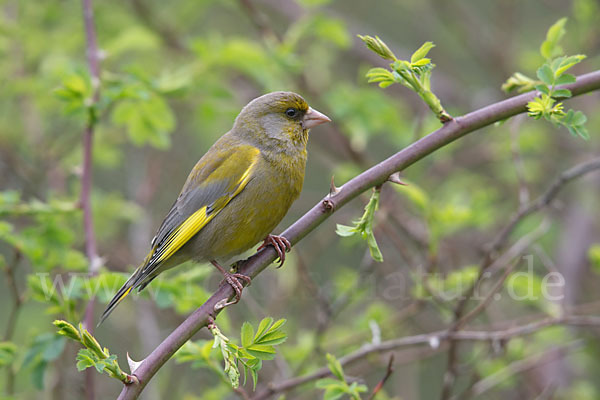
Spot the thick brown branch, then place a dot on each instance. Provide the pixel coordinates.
(374, 176)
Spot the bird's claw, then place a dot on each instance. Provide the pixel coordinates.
(281, 245)
(233, 280)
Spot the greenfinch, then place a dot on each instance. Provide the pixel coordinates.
(236, 194)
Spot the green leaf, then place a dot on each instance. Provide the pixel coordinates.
(421, 52)
(562, 93)
(520, 82)
(545, 74)
(37, 374)
(579, 118)
(263, 327)
(381, 75)
(335, 367)
(277, 325)
(85, 359)
(264, 352)
(378, 46)
(254, 374)
(550, 47)
(273, 338)
(8, 350)
(422, 62)
(334, 393)
(324, 383)
(564, 63)
(345, 230)
(364, 226)
(582, 132)
(565, 78)
(543, 88)
(54, 348)
(247, 334)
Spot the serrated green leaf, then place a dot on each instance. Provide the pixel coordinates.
(277, 324)
(565, 78)
(543, 89)
(85, 359)
(562, 93)
(273, 338)
(550, 47)
(545, 74)
(263, 326)
(421, 52)
(262, 348)
(264, 352)
(566, 63)
(247, 334)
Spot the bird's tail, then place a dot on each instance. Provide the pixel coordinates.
(131, 283)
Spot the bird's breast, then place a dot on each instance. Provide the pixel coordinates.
(255, 211)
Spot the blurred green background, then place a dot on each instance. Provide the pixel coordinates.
(174, 76)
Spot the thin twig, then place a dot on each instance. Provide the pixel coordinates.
(86, 174)
(489, 259)
(388, 373)
(522, 365)
(545, 199)
(260, 21)
(374, 176)
(505, 259)
(11, 324)
(433, 339)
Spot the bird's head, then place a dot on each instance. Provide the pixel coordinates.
(279, 117)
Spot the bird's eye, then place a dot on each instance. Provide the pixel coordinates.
(291, 112)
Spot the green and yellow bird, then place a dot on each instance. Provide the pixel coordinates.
(236, 194)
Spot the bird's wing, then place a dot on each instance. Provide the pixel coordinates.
(209, 188)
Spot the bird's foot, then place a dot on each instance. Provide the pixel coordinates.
(281, 245)
(234, 281)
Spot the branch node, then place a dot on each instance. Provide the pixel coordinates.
(132, 380)
(329, 205)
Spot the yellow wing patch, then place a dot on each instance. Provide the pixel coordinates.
(194, 223)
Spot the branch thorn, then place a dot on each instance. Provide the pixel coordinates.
(395, 178)
(133, 365)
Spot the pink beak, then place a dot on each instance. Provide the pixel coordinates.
(313, 118)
